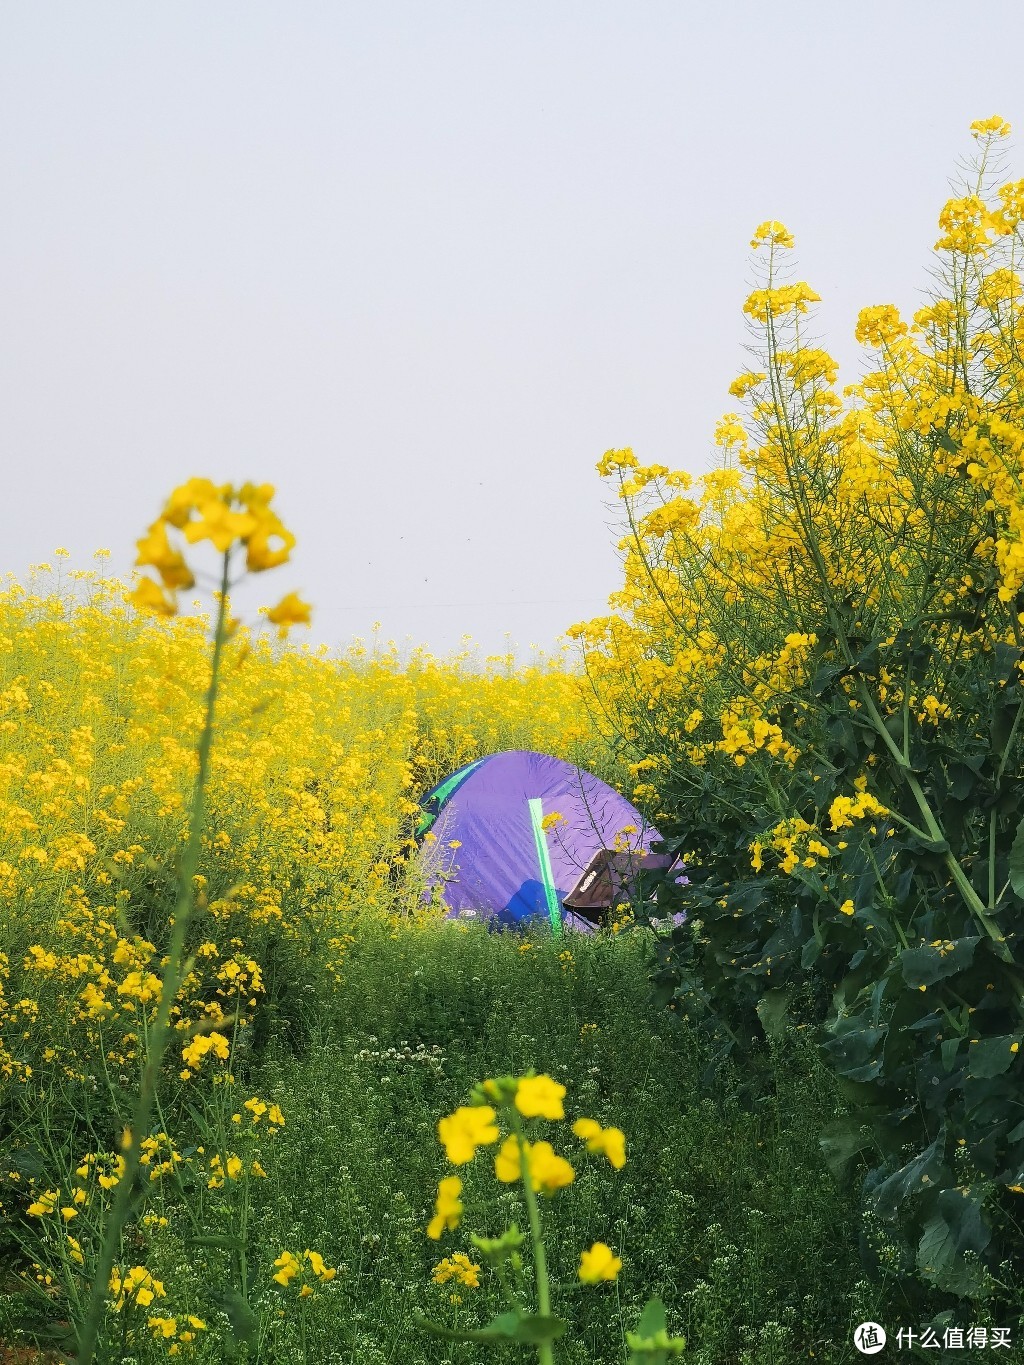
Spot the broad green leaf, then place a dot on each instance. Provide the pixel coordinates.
(652, 1319)
(1017, 861)
(842, 1141)
(924, 1173)
(241, 1315)
(957, 1226)
(992, 1056)
(771, 1010)
(924, 966)
(948, 1051)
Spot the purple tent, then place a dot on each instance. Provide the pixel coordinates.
(499, 852)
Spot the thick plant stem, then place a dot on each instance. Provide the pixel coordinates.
(970, 897)
(158, 1036)
(545, 1351)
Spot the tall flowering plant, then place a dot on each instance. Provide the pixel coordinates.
(818, 660)
(504, 1114)
(238, 523)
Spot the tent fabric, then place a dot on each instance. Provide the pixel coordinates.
(485, 855)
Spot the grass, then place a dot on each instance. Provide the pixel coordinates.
(727, 1212)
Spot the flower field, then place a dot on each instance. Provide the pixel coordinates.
(261, 1101)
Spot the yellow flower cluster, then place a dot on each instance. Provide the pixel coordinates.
(308, 1270)
(228, 518)
(312, 799)
(457, 1267)
(844, 810)
(825, 496)
(536, 1164)
(134, 1287)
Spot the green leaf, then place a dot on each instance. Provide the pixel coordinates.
(771, 1010)
(957, 1226)
(825, 677)
(652, 1319)
(962, 781)
(925, 1172)
(1017, 861)
(529, 1328)
(924, 966)
(811, 952)
(241, 1316)
(842, 1141)
(948, 1051)
(992, 1056)
(651, 1344)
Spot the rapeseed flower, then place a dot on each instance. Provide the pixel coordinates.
(467, 1129)
(540, 1097)
(457, 1267)
(290, 611)
(609, 1142)
(447, 1207)
(599, 1263)
(548, 1171)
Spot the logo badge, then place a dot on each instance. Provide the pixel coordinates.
(869, 1338)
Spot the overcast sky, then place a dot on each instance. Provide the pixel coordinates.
(420, 263)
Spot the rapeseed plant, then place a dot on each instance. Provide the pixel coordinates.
(499, 1106)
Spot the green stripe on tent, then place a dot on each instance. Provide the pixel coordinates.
(442, 793)
(544, 859)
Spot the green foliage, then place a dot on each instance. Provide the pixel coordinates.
(842, 764)
(725, 1213)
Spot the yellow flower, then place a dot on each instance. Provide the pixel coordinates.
(847, 908)
(290, 611)
(219, 524)
(319, 1269)
(137, 1284)
(540, 1097)
(466, 1130)
(548, 1171)
(288, 1267)
(772, 233)
(599, 1263)
(447, 1207)
(609, 1142)
(457, 1267)
(260, 552)
(149, 596)
(506, 1161)
(46, 1203)
(186, 497)
(156, 551)
(108, 1182)
(194, 1052)
(996, 126)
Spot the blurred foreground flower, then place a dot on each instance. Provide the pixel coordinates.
(231, 519)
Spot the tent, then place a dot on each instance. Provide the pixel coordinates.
(520, 835)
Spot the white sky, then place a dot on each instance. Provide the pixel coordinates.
(420, 263)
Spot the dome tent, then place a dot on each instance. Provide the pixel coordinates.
(497, 852)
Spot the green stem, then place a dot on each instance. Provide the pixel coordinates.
(170, 985)
(970, 897)
(545, 1352)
